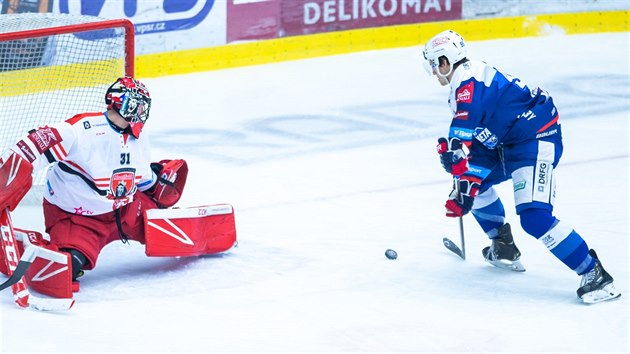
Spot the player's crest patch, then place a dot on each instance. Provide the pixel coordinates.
(44, 138)
(122, 183)
(464, 94)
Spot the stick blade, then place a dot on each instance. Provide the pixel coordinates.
(451, 246)
(17, 275)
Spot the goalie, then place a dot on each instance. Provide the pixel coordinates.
(102, 187)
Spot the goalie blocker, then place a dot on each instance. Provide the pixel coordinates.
(181, 232)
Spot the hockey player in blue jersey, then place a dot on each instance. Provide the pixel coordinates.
(503, 129)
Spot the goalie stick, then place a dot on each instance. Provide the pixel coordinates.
(16, 270)
(20, 270)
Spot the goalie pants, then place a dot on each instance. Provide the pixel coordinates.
(90, 233)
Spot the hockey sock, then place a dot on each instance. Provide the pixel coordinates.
(569, 247)
(537, 222)
(489, 212)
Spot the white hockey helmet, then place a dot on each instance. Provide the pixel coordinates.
(448, 44)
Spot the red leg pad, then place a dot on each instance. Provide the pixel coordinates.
(189, 231)
(13, 251)
(51, 278)
(50, 273)
(10, 250)
(15, 180)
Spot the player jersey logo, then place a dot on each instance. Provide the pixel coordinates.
(548, 241)
(486, 137)
(28, 153)
(439, 40)
(122, 183)
(463, 115)
(44, 138)
(464, 94)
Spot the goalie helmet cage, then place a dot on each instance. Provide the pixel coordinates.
(53, 66)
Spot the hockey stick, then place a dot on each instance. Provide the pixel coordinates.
(10, 255)
(20, 270)
(461, 252)
(16, 270)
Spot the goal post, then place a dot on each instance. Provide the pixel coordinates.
(53, 66)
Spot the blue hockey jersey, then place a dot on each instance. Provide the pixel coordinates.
(493, 110)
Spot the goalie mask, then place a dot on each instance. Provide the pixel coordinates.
(130, 98)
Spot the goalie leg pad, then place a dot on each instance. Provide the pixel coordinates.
(10, 252)
(51, 278)
(50, 273)
(189, 231)
(15, 180)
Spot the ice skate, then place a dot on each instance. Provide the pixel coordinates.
(597, 285)
(503, 253)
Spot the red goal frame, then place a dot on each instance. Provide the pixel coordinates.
(84, 27)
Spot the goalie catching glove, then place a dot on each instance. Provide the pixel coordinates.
(170, 184)
(461, 199)
(452, 156)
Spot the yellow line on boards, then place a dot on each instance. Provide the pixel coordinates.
(342, 42)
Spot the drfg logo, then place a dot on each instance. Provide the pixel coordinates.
(543, 171)
(148, 16)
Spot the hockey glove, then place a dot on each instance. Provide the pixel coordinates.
(452, 156)
(460, 201)
(169, 187)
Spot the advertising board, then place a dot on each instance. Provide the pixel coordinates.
(161, 25)
(264, 19)
(300, 17)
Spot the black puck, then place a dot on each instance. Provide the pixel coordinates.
(391, 254)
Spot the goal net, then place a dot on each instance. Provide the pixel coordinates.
(53, 66)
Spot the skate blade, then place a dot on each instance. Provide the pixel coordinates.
(606, 293)
(515, 266)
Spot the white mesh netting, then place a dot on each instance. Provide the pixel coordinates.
(47, 77)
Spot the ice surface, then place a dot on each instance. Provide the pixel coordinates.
(330, 161)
